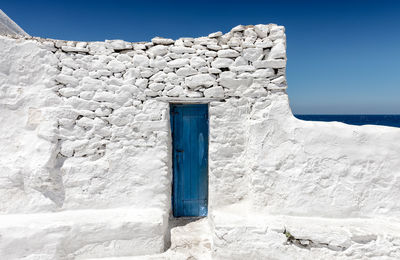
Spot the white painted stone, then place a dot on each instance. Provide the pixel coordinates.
(199, 47)
(277, 52)
(87, 95)
(240, 61)
(200, 80)
(179, 42)
(276, 64)
(156, 86)
(88, 83)
(124, 58)
(181, 49)
(221, 63)
(250, 33)
(159, 77)
(175, 92)
(119, 45)
(227, 74)
(211, 53)
(253, 54)
(203, 70)
(146, 73)
(234, 42)
(178, 63)
(68, 92)
(273, 86)
(158, 50)
(242, 68)
(228, 53)
(74, 49)
(131, 73)
(141, 61)
(104, 96)
(214, 92)
(249, 42)
(263, 73)
(262, 30)
(214, 71)
(68, 147)
(139, 46)
(67, 80)
(214, 47)
(238, 28)
(279, 80)
(67, 71)
(215, 34)
(231, 83)
(80, 73)
(204, 41)
(158, 62)
(99, 48)
(81, 44)
(277, 32)
(116, 66)
(193, 94)
(142, 83)
(150, 93)
(264, 43)
(69, 62)
(162, 41)
(186, 71)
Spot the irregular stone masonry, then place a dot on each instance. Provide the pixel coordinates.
(103, 122)
(111, 89)
(211, 67)
(110, 100)
(113, 83)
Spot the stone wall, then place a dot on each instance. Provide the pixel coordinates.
(321, 169)
(86, 145)
(85, 129)
(108, 125)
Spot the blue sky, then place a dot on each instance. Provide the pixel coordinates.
(343, 56)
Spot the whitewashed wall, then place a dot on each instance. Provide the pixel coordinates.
(86, 147)
(321, 169)
(106, 121)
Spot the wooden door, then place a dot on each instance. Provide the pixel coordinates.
(189, 125)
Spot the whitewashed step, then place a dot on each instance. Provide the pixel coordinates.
(82, 234)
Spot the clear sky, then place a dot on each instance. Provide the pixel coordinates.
(343, 55)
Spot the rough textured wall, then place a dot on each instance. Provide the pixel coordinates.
(85, 133)
(109, 141)
(321, 169)
(28, 145)
(85, 136)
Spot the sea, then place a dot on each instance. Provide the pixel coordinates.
(386, 120)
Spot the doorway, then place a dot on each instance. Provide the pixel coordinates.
(189, 127)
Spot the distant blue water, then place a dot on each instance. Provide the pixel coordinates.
(387, 120)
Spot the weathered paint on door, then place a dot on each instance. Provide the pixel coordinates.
(189, 125)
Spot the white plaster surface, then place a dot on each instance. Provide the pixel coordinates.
(82, 234)
(321, 169)
(9, 27)
(85, 155)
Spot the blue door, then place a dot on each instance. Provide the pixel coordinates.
(189, 125)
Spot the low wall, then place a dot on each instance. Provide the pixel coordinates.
(321, 169)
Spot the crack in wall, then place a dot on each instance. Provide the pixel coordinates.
(309, 243)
